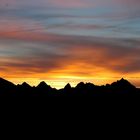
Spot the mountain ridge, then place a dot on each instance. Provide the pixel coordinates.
(120, 87)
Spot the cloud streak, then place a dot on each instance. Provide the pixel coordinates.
(118, 54)
(70, 41)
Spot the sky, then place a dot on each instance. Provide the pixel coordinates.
(69, 41)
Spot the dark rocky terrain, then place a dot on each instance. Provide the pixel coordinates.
(116, 89)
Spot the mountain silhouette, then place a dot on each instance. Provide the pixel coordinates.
(123, 84)
(6, 87)
(119, 88)
(5, 84)
(43, 85)
(26, 85)
(68, 87)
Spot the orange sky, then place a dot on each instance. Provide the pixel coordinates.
(62, 42)
(78, 59)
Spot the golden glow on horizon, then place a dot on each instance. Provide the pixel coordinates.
(59, 79)
(69, 41)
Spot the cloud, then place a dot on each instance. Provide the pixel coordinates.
(63, 57)
(118, 55)
(71, 4)
(50, 50)
(44, 3)
(59, 43)
(68, 4)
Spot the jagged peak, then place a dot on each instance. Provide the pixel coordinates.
(25, 84)
(43, 84)
(123, 83)
(68, 86)
(122, 79)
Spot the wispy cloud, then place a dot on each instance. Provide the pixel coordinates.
(69, 40)
(60, 51)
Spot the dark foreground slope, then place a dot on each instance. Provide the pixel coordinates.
(119, 88)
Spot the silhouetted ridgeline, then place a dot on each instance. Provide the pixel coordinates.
(119, 88)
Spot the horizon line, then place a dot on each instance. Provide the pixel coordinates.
(68, 83)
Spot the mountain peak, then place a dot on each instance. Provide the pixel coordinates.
(122, 79)
(80, 85)
(43, 85)
(68, 86)
(25, 84)
(123, 83)
(121, 86)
